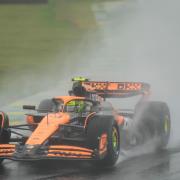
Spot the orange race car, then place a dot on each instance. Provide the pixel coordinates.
(84, 126)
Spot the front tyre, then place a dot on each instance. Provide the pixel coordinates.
(113, 146)
(5, 133)
(103, 134)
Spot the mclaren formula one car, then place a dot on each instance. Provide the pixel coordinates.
(85, 126)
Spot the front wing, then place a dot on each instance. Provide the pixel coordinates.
(26, 153)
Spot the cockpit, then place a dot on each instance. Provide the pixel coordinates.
(72, 106)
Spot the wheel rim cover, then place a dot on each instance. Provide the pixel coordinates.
(166, 125)
(115, 139)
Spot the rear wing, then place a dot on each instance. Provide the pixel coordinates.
(116, 89)
(111, 89)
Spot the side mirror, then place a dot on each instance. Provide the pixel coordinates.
(29, 107)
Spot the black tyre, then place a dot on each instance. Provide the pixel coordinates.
(154, 121)
(5, 133)
(97, 127)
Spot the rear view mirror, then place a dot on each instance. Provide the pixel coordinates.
(29, 107)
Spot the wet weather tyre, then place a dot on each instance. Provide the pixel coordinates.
(98, 126)
(5, 133)
(154, 121)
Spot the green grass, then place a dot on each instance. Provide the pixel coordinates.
(29, 34)
(32, 33)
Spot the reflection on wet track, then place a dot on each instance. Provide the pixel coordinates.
(153, 166)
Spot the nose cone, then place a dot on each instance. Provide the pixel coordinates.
(30, 152)
(47, 127)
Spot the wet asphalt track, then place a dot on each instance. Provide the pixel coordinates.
(143, 35)
(151, 166)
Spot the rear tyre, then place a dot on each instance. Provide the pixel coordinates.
(154, 121)
(97, 128)
(5, 133)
